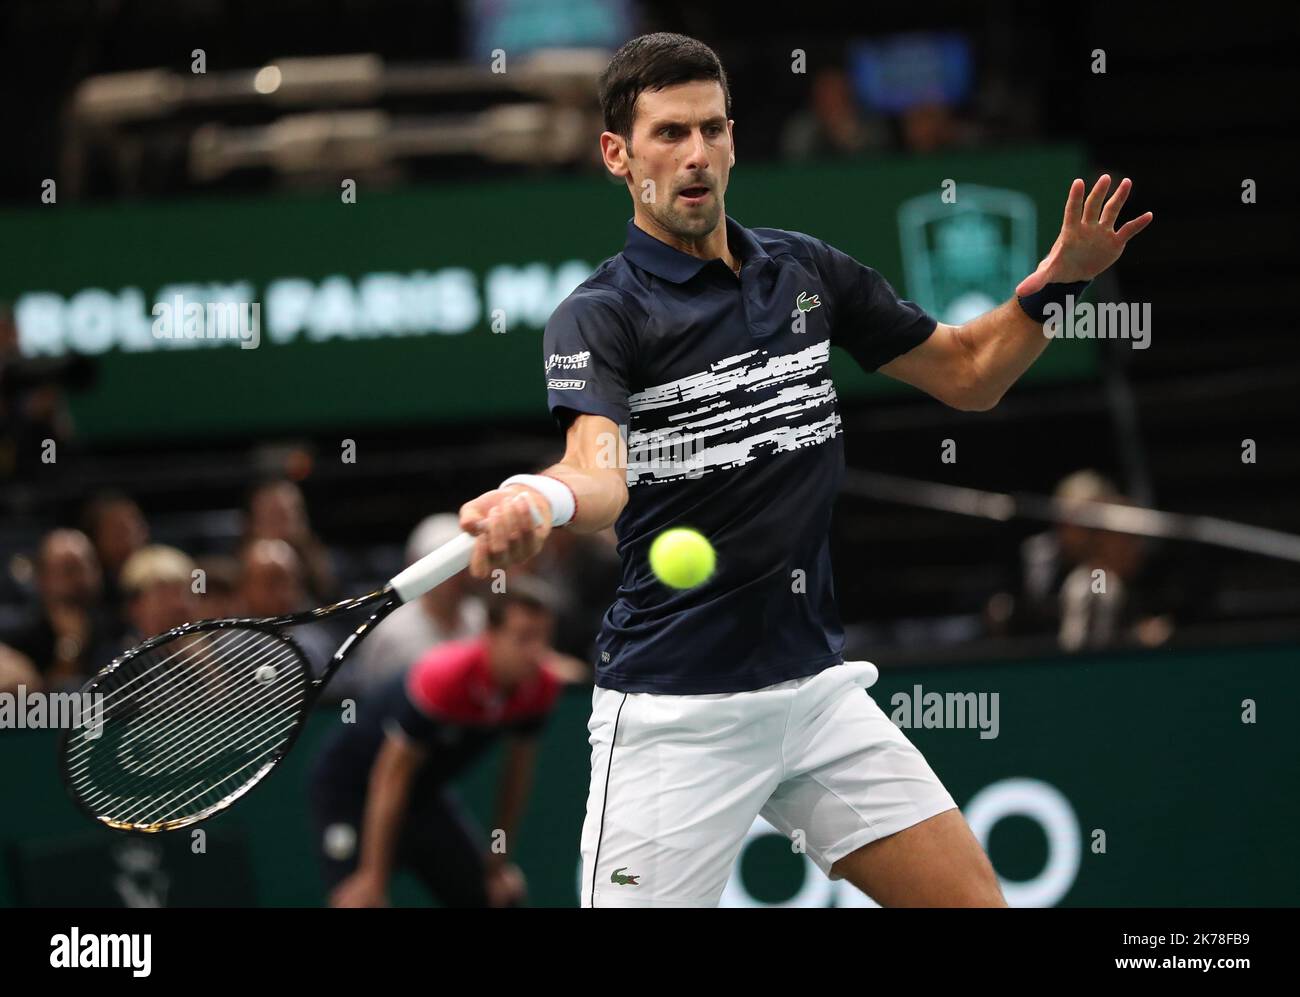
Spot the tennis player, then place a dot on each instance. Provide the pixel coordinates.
(691, 374)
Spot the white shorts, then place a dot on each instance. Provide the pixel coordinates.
(676, 782)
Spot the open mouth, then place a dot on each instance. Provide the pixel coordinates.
(693, 194)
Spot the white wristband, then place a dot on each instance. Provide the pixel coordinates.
(557, 494)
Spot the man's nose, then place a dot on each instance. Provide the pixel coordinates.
(697, 155)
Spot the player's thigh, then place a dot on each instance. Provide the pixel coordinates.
(936, 863)
(676, 781)
(443, 846)
(853, 778)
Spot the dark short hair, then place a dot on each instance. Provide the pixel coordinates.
(524, 590)
(652, 62)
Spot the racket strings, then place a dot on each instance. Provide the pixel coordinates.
(158, 683)
(159, 732)
(186, 725)
(170, 703)
(189, 739)
(208, 736)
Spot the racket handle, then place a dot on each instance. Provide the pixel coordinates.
(434, 568)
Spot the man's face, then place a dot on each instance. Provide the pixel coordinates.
(680, 157)
(120, 532)
(69, 572)
(277, 512)
(271, 579)
(516, 648)
(160, 607)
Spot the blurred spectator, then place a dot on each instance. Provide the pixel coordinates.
(60, 640)
(158, 591)
(271, 584)
(220, 598)
(118, 529)
(381, 793)
(833, 124)
(1085, 585)
(16, 670)
(276, 511)
(1048, 557)
(928, 127)
(447, 612)
(32, 403)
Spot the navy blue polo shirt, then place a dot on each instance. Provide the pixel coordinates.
(722, 386)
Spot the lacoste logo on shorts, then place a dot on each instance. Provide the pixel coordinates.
(622, 879)
(555, 384)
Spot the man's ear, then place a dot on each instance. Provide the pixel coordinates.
(731, 127)
(613, 151)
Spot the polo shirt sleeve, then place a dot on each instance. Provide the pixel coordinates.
(405, 719)
(588, 347)
(868, 319)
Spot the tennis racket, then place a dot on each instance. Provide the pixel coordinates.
(192, 719)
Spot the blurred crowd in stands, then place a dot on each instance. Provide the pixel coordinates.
(101, 587)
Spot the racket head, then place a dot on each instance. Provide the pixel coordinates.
(189, 721)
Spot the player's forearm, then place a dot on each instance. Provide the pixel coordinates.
(512, 791)
(599, 494)
(386, 802)
(1001, 345)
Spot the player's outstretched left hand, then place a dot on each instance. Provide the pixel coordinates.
(1089, 242)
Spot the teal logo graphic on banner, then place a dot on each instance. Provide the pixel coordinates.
(962, 259)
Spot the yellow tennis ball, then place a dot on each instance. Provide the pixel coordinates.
(681, 558)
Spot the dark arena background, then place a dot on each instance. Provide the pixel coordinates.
(403, 191)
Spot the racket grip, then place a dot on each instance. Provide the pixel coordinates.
(434, 568)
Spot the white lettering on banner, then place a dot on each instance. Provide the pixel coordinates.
(528, 294)
(449, 302)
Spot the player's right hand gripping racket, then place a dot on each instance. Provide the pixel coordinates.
(192, 719)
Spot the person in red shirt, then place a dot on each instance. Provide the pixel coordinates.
(380, 792)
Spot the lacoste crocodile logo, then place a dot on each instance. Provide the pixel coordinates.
(805, 303)
(622, 880)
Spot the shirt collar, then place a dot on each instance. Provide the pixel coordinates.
(673, 265)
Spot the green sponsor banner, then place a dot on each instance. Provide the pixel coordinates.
(235, 317)
(1161, 778)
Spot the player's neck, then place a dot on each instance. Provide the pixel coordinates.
(709, 247)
